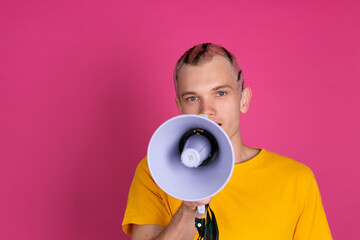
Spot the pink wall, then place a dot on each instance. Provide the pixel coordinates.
(83, 85)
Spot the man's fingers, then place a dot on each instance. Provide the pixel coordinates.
(193, 205)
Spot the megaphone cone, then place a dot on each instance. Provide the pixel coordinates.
(176, 178)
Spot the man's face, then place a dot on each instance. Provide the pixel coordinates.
(211, 89)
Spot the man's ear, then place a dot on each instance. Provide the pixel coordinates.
(177, 100)
(245, 99)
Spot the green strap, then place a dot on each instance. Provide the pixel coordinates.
(207, 227)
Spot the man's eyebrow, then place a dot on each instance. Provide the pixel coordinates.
(214, 89)
(188, 93)
(221, 86)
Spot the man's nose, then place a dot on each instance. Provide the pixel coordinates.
(207, 107)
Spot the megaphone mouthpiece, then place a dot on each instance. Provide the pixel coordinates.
(198, 147)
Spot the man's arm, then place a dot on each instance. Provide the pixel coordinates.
(312, 223)
(181, 226)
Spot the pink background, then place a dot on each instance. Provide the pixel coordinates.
(84, 84)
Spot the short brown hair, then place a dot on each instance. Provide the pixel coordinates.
(204, 52)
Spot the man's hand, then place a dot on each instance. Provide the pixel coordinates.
(192, 206)
(181, 226)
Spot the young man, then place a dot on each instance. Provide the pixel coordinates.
(268, 196)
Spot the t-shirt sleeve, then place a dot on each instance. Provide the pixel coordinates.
(312, 223)
(145, 203)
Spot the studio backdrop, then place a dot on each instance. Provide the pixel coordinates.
(84, 85)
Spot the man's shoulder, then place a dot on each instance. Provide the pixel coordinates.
(143, 164)
(142, 169)
(286, 164)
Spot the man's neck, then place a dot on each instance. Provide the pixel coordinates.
(242, 152)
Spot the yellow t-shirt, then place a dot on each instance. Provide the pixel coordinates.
(268, 197)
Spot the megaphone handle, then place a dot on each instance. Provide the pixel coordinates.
(201, 209)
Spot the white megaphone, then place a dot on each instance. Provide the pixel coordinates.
(191, 158)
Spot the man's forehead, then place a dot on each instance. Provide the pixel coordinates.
(207, 77)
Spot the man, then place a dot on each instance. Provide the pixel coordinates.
(268, 196)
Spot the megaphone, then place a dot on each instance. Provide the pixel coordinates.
(190, 157)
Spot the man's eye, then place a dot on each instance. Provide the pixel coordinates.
(191, 99)
(221, 93)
